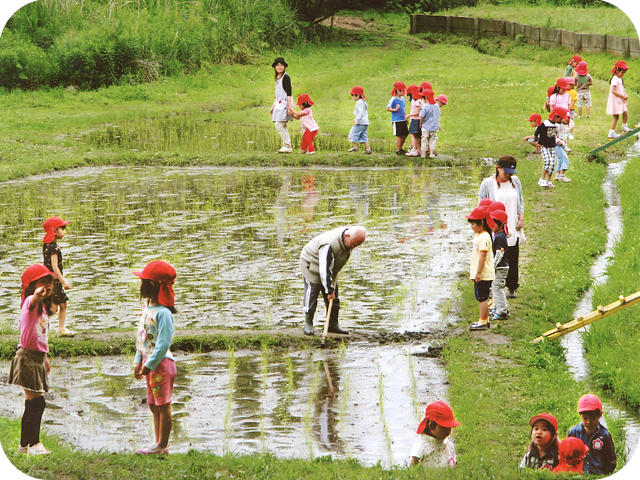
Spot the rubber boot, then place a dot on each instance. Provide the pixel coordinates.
(308, 324)
(333, 323)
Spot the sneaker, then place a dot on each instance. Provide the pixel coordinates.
(153, 449)
(22, 449)
(65, 332)
(401, 152)
(559, 178)
(285, 150)
(613, 135)
(588, 116)
(511, 293)
(625, 128)
(502, 316)
(543, 183)
(550, 185)
(567, 149)
(580, 118)
(354, 149)
(411, 154)
(432, 155)
(368, 152)
(479, 326)
(565, 179)
(37, 449)
(570, 136)
(302, 151)
(311, 153)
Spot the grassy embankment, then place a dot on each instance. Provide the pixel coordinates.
(495, 388)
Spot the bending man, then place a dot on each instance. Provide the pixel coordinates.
(320, 261)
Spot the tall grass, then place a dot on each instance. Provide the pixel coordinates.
(91, 43)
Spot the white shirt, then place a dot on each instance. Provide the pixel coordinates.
(432, 452)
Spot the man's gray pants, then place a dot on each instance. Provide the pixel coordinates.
(310, 301)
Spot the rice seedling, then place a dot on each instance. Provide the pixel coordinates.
(383, 419)
(414, 383)
(229, 408)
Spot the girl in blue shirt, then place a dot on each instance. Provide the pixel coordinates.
(396, 106)
(154, 360)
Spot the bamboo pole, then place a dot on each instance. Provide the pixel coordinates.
(600, 312)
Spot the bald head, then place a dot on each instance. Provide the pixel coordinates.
(354, 236)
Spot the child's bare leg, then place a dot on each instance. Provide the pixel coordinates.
(62, 316)
(366, 146)
(165, 424)
(614, 121)
(624, 118)
(156, 421)
(354, 144)
(484, 310)
(580, 111)
(588, 111)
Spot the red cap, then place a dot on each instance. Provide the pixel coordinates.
(589, 403)
(501, 216)
(562, 83)
(417, 94)
(163, 273)
(478, 213)
(545, 416)
(440, 413)
(33, 273)
(412, 88)
(304, 98)
(442, 98)
(357, 90)
(428, 94)
(426, 86)
(576, 58)
(582, 68)
(559, 111)
(572, 449)
(50, 225)
(485, 202)
(620, 64)
(569, 80)
(398, 86)
(550, 90)
(535, 117)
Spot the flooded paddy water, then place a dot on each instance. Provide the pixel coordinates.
(234, 236)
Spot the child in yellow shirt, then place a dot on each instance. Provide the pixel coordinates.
(482, 270)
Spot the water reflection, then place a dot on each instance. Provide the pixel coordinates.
(232, 235)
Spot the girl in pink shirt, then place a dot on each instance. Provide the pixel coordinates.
(308, 124)
(30, 367)
(560, 97)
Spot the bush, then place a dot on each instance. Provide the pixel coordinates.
(22, 64)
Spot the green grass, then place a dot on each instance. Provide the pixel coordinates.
(596, 19)
(612, 343)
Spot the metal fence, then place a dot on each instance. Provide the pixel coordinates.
(538, 36)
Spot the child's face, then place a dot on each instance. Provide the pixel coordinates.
(590, 420)
(399, 93)
(354, 97)
(533, 123)
(440, 104)
(47, 284)
(621, 73)
(557, 119)
(565, 121)
(561, 91)
(497, 227)
(541, 434)
(440, 432)
(60, 232)
(476, 227)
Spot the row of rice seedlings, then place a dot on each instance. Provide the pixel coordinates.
(383, 418)
(230, 388)
(414, 383)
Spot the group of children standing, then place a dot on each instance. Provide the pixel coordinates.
(43, 294)
(552, 135)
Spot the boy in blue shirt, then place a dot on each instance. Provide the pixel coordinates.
(396, 106)
(601, 458)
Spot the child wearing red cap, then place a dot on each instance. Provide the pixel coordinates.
(30, 367)
(153, 357)
(434, 448)
(309, 126)
(430, 122)
(535, 120)
(397, 106)
(617, 101)
(543, 449)
(575, 60)
(571, 452)
(561, 152)
(358, 133)
(546, 138)
(601, 457)
(560, 97)
(417, 103)
(481, 270)
(583, 84)
(500, 246)
(55, 229)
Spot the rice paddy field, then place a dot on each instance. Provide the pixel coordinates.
(184, 168)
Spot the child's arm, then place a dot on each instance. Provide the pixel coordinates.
(36, 298)
(482, 257)
(623, 96)
(56, 270)
(389, 109)
(298, 115)
(525, 139)
(497, 258)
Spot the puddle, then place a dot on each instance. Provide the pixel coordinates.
(358, 402)
(200, 134)
(572, 342)
(235, 235)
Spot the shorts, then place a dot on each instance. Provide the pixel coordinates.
(400, 129)
(160, 382)
(58, 294)
(28, 371)
(549, 156)
(482, 290)
(358, 134)
(584, 100)
(414, 127)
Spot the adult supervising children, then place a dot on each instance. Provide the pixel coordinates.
(283, 104)
(320, 261)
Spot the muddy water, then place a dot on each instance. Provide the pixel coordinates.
(572, 342)
(234, 236)
(359, 402)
